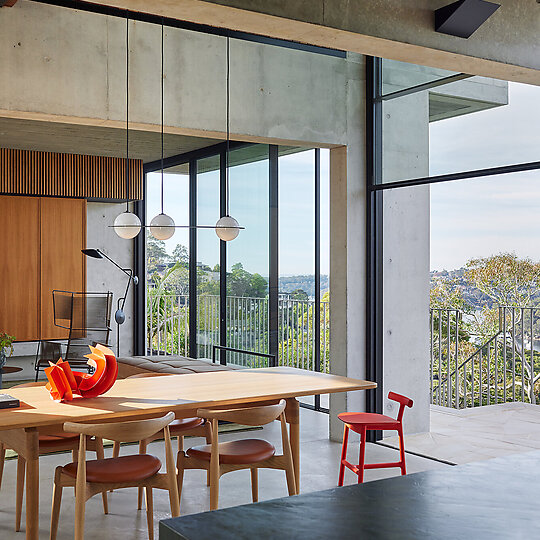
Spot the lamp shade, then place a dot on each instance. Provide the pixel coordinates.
(127, 225)
(162, 227)
(227, 228)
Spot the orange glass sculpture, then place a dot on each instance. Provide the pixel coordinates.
(64, 383)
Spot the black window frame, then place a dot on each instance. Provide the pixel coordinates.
(192, 159)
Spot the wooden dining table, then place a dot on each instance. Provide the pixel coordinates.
(139, 398)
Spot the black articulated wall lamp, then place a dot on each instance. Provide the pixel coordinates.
(464, 17)
(119, 316)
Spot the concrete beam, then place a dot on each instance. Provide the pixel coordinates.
(505, 47)
(68, 66)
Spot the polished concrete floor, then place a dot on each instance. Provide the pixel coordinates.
(319, 468)
(463, 436)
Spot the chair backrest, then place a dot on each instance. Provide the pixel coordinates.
(248, 416)
(136, 430)
(82, 311)
(147, 374)
(403, 402)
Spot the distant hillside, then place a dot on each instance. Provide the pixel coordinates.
(471, 294)
(288, 284)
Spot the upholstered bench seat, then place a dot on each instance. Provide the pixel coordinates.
(174, 364)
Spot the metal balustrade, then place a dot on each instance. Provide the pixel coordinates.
(505, 367)
(247, 329)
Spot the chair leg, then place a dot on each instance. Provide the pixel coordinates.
(80, 502)
(115, 452)
(2, 460)
(150, 512)
(254, 485)
(180, 442)
(208, 436)
(180, 474)
(402, 451)
(74, 455)
(21, 469)
(343, 455)
(142, 450)
(362, 457)
(100, 454)
(57, 501)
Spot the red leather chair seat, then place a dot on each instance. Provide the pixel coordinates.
(355, 420)
(183, 424)
(236, 452)
(58, 440)
(121, 469)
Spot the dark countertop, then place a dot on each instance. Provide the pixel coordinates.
(494, 499)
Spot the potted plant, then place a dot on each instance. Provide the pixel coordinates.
(6, 347)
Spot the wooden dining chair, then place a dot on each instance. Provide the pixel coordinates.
(101, 475)
(180, 427)
(220, 458)
(59, 441)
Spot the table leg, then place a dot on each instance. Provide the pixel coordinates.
(32, 483)
(292, 414)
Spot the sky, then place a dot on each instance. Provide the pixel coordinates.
(249, 205)
(484, 216)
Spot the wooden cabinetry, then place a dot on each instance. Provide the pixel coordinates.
(40, 250)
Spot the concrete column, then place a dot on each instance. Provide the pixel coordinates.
(348, 248)
(406, 259)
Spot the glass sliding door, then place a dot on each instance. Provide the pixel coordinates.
(167, 265)
(248, 255)
(208, 256)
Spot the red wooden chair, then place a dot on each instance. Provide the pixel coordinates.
(362, 422)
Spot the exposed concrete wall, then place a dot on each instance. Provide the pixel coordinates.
(102, 275)
(72, 65)
(506, 46)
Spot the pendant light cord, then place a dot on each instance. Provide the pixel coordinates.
(127, 110)
(162, 107)
(228, 129)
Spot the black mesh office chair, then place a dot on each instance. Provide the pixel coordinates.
(87, 316)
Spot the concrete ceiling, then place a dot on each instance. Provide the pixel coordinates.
(91, 140)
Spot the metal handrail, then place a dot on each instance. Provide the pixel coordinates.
(242, 351)
(471, 357)
(501, 369)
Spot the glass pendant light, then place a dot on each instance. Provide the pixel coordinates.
(162, 226)
(127, 225)
(227, 228)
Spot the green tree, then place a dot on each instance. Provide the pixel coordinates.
(506, 280)
(156, 254)
(299, 294)
(180, 254)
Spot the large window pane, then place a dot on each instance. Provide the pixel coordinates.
(208, 193)
(466, 125)
(247, 255)
(296, 258)
(167, 278)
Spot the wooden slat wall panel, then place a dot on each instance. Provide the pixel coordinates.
(19, 267)
(63, 235)
(26, 172)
